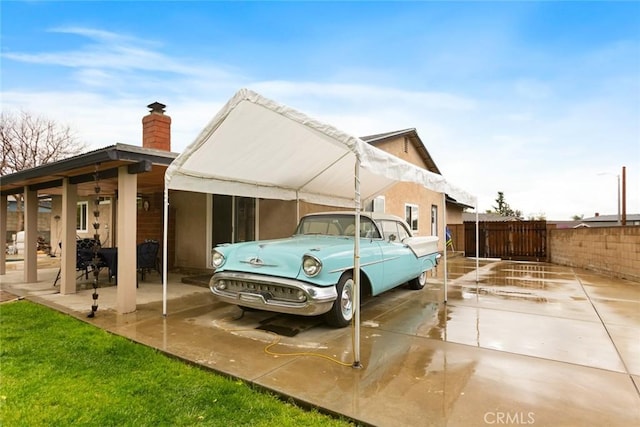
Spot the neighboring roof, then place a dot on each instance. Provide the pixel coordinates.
(256, 147)
(413, 137)
(597, 221)
(82, 167)
(610, 218)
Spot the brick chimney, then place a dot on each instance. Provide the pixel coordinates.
(156, 128)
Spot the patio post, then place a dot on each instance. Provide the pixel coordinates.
(126, 237)
(3, 233)
(477, 245)
(444, 233)
(356, 271)
(68, 237)
(30, 235)
(164, 249)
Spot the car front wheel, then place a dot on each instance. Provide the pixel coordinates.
(419, 282)
(342, 310)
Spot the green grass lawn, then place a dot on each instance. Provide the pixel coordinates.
(56, 370)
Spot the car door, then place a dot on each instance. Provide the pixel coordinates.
(370, 253)
(399, 262)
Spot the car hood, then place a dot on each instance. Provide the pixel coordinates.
(282, 257)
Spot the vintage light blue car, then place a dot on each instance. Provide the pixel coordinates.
(311, 272)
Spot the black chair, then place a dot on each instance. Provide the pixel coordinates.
(84, 258)
(147, 257)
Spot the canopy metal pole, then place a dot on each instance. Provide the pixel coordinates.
(356, 271)
(444, 216)
(164, 251)
(477, 245)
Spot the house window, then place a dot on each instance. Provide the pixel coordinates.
(82, 217)
(406, 144)
(434, 220)
(411, 216)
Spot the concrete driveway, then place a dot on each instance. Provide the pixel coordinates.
(529, 344)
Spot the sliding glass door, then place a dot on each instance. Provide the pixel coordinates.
(233, 219)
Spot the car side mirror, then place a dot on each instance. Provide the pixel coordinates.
(392, 237)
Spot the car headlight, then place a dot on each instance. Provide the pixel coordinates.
(217, 259)
(311, 265)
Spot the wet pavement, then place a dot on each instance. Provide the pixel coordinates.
(530, 343)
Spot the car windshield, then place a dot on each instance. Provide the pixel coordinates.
(337, 225)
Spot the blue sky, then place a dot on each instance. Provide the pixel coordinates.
(540, 100)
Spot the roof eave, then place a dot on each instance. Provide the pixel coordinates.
(452, 201)
(116, 152)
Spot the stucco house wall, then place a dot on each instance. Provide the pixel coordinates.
(403, 193)
(190, 210)
(454, 215)
(277, 218)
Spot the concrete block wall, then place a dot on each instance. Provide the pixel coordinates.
(44, 225)
(608, 250)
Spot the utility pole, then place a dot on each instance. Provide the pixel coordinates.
(623, 220)
(618, 193)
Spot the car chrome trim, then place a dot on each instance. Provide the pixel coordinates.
(365, 264)
(257, 262)
(317, 300)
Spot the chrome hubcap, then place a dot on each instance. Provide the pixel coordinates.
(422, 279)
(346, 301)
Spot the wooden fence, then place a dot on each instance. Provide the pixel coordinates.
(517, 240)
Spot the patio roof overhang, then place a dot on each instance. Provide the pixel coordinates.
(150, 164)
(73, 177)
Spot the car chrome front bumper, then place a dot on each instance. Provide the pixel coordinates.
(272, 293)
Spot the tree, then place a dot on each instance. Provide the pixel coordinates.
(503, 207)
(577, 217)
(541, 216)
(29, 141)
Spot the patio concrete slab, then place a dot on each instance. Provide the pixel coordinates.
(530, 343)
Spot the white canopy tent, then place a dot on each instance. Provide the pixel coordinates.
(255, 147)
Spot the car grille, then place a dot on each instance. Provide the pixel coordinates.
(268, 291)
